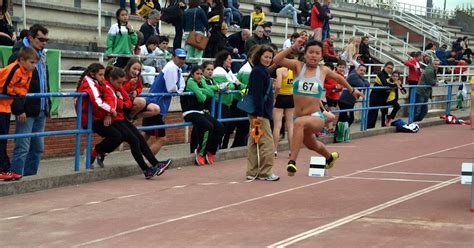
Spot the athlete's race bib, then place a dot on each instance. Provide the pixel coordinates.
(308, 88)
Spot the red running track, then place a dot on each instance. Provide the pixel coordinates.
(393, 190)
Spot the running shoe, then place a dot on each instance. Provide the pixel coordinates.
(100, 159)
(291, 168)
(151, 172)
(7, 176)
(271, 177)
(163, 166)
(209, 158)
(199, 159)
(330, 162)
(388, 121)
(13, 176)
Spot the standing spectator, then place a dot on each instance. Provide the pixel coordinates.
(260, 88)
(150, 28)
(195, 110)
(291, 40)
(317, 20)
(284, 105)
(14, 80)
(178, 24)
(305, 8)
(327, 16)
(30, 113)
(258, 17)
(329, 54)
(378, 97)
(256, 39)
(215, 18)
(428, 78)
(347, 100)
(194, 19)
(121, 37)
(457, 48)
(285, 9)
(237, 40)
(392, 98)
(7, 32)
(414, 70)
(465, 46)
(223, 76)
(364, 51)
(267, 32)
(133, 7)
(170, 80)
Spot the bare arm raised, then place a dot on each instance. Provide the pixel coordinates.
(292, 64)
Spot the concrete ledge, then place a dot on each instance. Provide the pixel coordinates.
(124, 166)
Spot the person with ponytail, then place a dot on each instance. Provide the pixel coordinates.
(121, 37)
(113, 91)
(90, 82)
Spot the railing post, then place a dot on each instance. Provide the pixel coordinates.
(448, 103)
(219, 107)
(99, 22)
(23, 8)
(365, 110)
(213, 106)
(77, 158)
(411, 108)
(344, 35)
(286, 28)
(89, 136)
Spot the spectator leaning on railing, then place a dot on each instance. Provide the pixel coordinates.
(170, 80)
(378, 97)
(428, 78)
(31, 113)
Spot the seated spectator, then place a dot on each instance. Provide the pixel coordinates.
(430, 53)
(194, 20)
(121, 37)
(267, 32)
(237, 16)
(150, 28)
(452, 58)
(351, 53)
(224, 45)
(256, 39)
(134, 87)
(113, 92)
(170, 80)
(305, 8)
(442, 55)
(7, 32)
(364, 51)
(162, 51)
(465, 47)
(258, 17)
(457, 48)
(291, 40)
(237, 40)
(329, 54)
(195, 109)
(285, 9)
(149, 57)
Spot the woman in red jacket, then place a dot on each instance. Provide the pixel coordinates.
(133, 85)
(414, 68)
(317, 20)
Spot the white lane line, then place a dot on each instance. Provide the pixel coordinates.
(178, 186)
(57, 209)
(12, 217)
(391, 179)
(207, 184)
(350, 218)
(128, 196)
(413, 173)
(92, 202)
(249, 200)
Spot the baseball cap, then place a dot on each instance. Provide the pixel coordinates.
(179, 52)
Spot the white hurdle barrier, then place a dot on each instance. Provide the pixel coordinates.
(466, 173)
(317, 167)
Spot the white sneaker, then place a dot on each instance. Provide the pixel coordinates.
(272, 177)
(235, 26)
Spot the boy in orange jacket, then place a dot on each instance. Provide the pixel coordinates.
(14, 81)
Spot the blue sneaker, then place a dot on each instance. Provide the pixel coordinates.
(150, 172)
(162, 166)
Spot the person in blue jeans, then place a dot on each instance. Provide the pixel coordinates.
(428, 78)
(133, 7)
(30, 113)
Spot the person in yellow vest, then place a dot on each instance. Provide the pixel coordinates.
(392, 98)
(284, 105)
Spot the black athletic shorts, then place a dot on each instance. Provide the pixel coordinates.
(284, 102)
(154, 121)
(331, 102)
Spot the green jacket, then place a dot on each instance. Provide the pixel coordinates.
(220, 76)
(427, 78)
(120, 41)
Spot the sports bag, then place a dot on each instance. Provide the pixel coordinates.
(171, 13)
(403, 127)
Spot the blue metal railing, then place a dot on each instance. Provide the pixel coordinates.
(364, 109)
